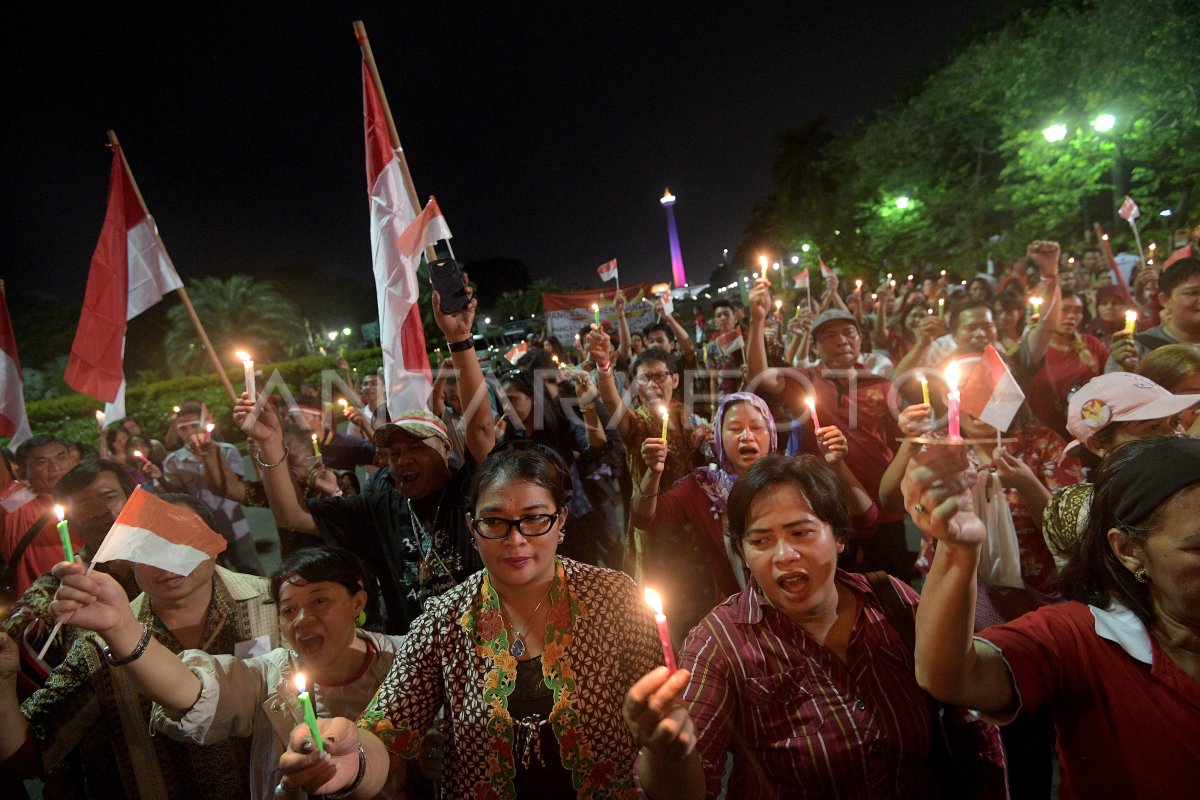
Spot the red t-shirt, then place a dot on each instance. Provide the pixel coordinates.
(1062, 371)
(1126, 728)
(43, 552)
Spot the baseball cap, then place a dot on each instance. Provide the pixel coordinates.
(833, 315)
(1120, 397)
(417, 422)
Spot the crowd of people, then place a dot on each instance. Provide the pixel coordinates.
(866, 599)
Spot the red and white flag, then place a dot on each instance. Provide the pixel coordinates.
(515, 352)
(730, 342)
(1129, 210)
(826, 272)
(395, 254)
(608, 270)
(13, 422)
(130, 271)
(992, 394)
(801, 280)
(152, 531)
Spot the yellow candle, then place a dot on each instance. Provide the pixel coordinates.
(924, 387)
(666, 417)
(316, 446)
(1130, 321)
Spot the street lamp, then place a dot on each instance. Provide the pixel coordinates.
(332, 335)
(346, 331)
(1055, 133)
(1104, 123)
(795, 260)
(804, 248)
(1166, 212)
(902, 202)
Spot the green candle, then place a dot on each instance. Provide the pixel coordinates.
(596, 309)
(310, 716)
(64, 533)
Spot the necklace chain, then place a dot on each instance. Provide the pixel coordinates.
(423, 536)
(517, 648)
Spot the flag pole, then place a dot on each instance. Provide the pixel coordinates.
(183, 295)
(364, 44)
(1137, 238)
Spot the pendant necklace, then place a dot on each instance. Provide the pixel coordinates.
(517, 648)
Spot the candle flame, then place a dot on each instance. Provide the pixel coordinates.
(175, 409)
(595, 307)
(554, 359)
(811, 402)
(763, 261)
(778, 304)
(943, 273)
(921, 377)
(99, 416)
(301, 682)
(858, 284)
(1131, 316)
(138, 454)
(60, 512)
(654, 600)
(342, 402)
(662, 410)
(1035, 301)
(314, 437)
(952, 376)
(209, 427)
(244, 356)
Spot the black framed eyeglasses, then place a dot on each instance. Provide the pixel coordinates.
(500, 527)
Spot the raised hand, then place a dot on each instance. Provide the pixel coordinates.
(95, 602)
(619, 304)
(259, 424)
(1044, 256)
(456, 327)
(1124, 351)
(654, 454)
(760, 301)
(937, 495)
(1014, 473)
(655, 715)
(832, 443)
(599, 347)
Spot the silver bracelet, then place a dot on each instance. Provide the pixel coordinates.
(358, 779)
(142, 644)
(283, 458)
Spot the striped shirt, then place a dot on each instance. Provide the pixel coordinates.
(801, 723)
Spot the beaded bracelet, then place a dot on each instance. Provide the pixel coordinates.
(283, 458)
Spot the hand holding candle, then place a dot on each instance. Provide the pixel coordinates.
(248, 369)
(654, 600)
(310, 716)
(64, 533)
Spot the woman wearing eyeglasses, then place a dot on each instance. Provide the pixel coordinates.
(530, 658)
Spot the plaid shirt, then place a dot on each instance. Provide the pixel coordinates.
(800, 722)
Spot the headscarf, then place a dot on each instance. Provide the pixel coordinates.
(717, 481)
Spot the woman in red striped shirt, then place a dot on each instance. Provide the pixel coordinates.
(801, 675)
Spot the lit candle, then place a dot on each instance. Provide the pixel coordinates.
(596, 311)
(103, 439)
(811, 402)
(310, 716)
(952, 401)
(1130, 321)
(910, 279)
(943, 273)
(660, 619)
(1035, 303)
(666, 417)
(941, 307)
(208, 429)
(316, 446)
(248, 369)
(175, 409)
(342, 403)
(858, 286)
(924, 387)
(139, 454)
(779, 310)
(64, 533)
(889, 277)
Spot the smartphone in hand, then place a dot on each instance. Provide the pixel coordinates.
(447, 279)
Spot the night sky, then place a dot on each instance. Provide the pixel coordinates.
(547, 134)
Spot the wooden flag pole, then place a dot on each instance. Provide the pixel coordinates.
(183, 295)
(364, 44)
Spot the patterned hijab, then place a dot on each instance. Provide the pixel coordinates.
(718, 481)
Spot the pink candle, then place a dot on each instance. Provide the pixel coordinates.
(660, 619)
(952, 420)
(811, 402)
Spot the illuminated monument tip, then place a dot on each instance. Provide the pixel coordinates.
(667, 198)
(677, 273)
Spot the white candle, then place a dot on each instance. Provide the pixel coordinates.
(952, 420)
(248, 369)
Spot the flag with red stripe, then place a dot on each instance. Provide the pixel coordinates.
(608, 270)
(13, 422)
(395, 255)
(826, 272)
(152, 531)
(801, 280)
(1129, 210)
(130, 271)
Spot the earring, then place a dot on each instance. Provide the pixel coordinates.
(1140, 575)
(560, 538)
(361, 619)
